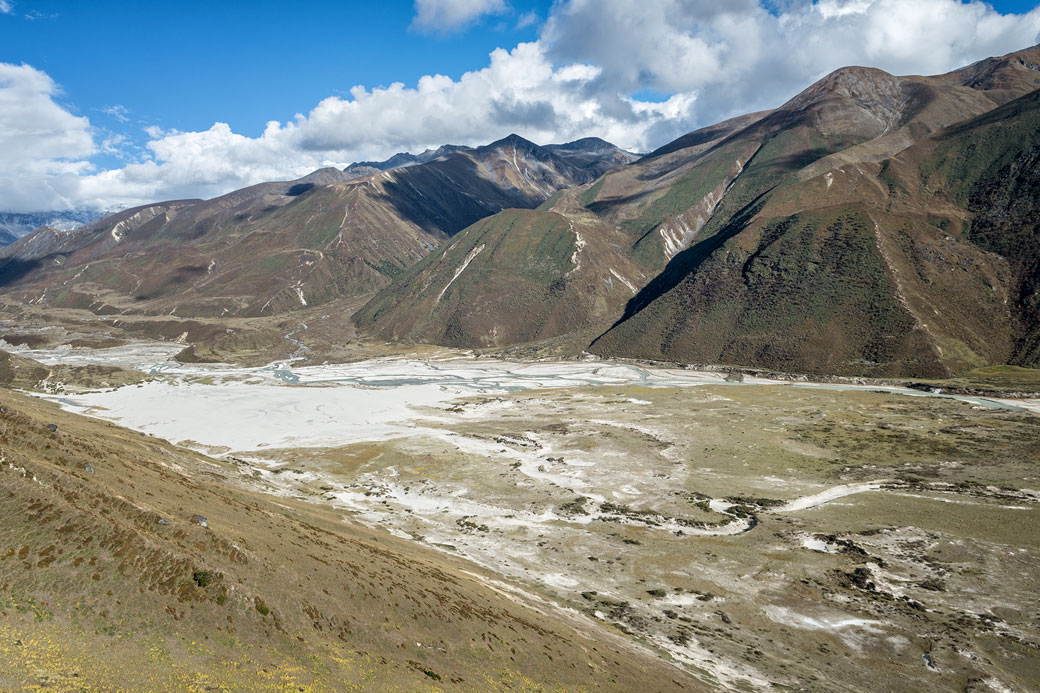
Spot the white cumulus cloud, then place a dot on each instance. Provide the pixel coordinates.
(44, 147)
(519, 91)
(738, 56)
(635, 72)
(451, 15)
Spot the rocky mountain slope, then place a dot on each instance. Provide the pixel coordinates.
(824, 236)
(276, 247)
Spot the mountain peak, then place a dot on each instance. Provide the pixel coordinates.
(14, 225)
(855, 82)
(324, 176)
(585, 144)
(443, 150)
(514, 140)
(1002, 78)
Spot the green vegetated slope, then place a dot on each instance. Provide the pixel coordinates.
(278, 247)
(817, 237)
(130, 564)
(923, 265)
(992, 167)
(519, 276)
(813, 294)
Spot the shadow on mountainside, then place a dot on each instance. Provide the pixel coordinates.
(447, 196)
(13, 270)
(686, 263)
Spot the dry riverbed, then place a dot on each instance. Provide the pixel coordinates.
(759, 534)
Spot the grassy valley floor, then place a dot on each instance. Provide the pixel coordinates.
(746, 536)
(758, 535)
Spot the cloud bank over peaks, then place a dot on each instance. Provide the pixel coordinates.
(635, 72)
(739, 56)
(520, 90)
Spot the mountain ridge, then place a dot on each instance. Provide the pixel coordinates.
(576, 151)
(768, 178)
(798, 238)
(275, 247)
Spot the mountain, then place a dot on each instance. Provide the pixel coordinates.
(15, 225)
(874, 267)
(518, 276)
(402, 159)
(276, 247)
(575, 293)
(819, 237)
(593, 154)
(590, 153)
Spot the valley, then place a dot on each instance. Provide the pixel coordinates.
(758, 410)
(756, 534)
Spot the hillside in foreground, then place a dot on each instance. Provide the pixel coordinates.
(127, 563)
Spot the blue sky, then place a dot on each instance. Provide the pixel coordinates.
(128, 67)
(113, 103)
(184, 65)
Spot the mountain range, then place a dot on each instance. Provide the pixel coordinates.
(872, 225)
(14, 225)
(273, 247)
